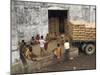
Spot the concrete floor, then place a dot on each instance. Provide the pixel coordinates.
(82, 62)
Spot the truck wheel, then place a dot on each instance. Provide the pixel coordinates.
(90, 49)
(83, 47)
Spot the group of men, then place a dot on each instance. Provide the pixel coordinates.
(27, 53)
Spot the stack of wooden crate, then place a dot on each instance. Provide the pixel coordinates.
(90, 31)
(76, 30)
(81, 30)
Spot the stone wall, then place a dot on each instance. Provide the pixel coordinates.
(31, 18)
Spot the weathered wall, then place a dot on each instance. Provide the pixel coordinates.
(31, 18)
(28, 19)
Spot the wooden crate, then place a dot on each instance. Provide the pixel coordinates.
(90, 31)
(76, 30)
(81, 30)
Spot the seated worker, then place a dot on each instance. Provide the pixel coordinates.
(29, 54)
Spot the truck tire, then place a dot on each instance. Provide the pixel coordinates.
(90, 49)
(83, 47)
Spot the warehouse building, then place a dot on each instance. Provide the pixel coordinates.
(31, 18)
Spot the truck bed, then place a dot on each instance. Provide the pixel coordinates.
(81, 30)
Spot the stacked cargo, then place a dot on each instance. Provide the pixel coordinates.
(76, 30)
(80, 30)
(90, 31)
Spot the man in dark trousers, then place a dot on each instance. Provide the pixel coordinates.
(66, 50)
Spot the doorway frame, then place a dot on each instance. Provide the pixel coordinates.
(64, 19)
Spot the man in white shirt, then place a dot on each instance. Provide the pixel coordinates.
(66, 49)
(42, 42)
(66, 45)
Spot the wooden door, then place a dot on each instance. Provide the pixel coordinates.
(54, 24)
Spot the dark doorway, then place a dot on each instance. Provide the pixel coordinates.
(57, 18)
(61, 25)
